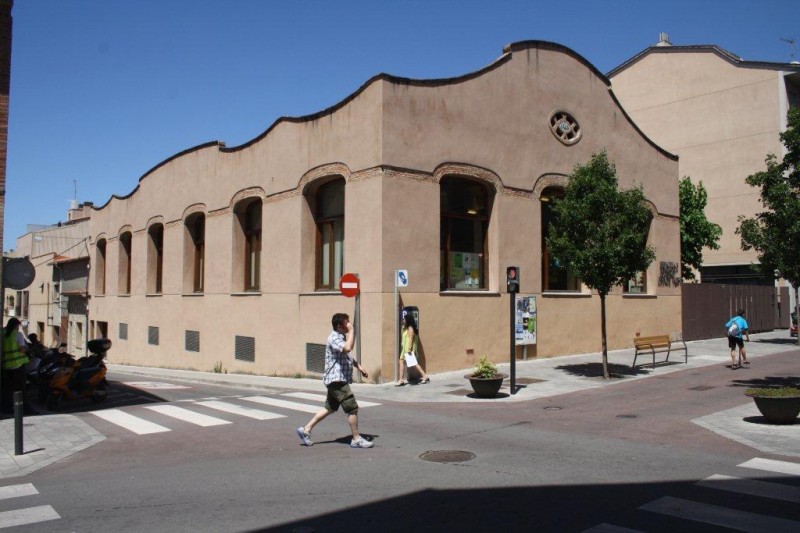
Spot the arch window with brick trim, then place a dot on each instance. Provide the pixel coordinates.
(465, 208)
(247, 245)
(124, 270)
(100, 267)
(194, 253)
(329, 218)
(155, 259)
(555, 274)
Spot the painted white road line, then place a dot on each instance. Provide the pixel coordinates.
(16, 491)
(187, 416)
(295, 406)
(752, 487)
(771, 465)
(226, 407)
(720, 516)
(31, 515)
(610, 528)
(138, 425)
(321, 398)
(154, 385)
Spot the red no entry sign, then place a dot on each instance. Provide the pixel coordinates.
(348, 285)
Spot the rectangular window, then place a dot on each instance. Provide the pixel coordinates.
(637, 285)
(464, 209)
(124, 270)
(329, 218)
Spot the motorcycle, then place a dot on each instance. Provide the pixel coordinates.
(51, 362)
(84, 378)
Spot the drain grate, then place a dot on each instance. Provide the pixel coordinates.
(552, 408)
(447, 456)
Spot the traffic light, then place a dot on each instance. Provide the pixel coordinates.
(512, 279)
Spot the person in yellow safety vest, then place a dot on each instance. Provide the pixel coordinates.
(14, 361)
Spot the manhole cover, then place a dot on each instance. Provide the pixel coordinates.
(627, 416)
(447, 456)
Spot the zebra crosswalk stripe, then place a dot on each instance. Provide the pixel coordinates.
(187, 416)
(752, 487)
(304, 407)
(16, 491)
(226, 407)
(30, 515)
(322, 397)
(132, 423)
(720, 516)
(771, 465)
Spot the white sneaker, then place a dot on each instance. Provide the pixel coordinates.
(305, 437)
(361, 443)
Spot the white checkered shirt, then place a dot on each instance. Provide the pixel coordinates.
(338, 365)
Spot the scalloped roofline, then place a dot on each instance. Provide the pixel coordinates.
(704, 48)
(508, 51)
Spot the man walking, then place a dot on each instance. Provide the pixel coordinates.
(337, 378)
(737, 326)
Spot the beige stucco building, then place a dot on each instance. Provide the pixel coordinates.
(230, 256)
(722, 115)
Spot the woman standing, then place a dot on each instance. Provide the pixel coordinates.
(408, 351)
(15, 359)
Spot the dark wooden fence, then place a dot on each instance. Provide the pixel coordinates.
(707, 306)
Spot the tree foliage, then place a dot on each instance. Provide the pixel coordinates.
(697, 232)
(600, 232)
(775, 232)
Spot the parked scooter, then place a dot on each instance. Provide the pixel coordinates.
(52, 361)
(84, 378)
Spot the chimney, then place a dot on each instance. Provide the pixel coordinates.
(663, 39)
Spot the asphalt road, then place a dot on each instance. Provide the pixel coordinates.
(627, 456)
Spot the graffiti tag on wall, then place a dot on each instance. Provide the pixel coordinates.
(669, 275)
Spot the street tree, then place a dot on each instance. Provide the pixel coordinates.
(697, 232)
(600, 232)
(775, 232)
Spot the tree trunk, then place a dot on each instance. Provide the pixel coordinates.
(796, 311)
(603, 333)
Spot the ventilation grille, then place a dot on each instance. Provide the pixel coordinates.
(192, 341)
(315, 358)
(152, 335)
(123, 331)
(245, 348)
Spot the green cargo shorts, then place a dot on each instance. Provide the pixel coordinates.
(339, 393)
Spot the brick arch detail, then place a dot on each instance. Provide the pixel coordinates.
(548, 180)
(323, 171)
(468, 171)
(250, 192)
(192, 209)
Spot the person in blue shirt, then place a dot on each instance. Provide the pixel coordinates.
(735, 338)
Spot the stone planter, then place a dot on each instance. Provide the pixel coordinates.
(778, 410)
(486, 387)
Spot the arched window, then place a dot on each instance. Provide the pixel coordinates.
(329, 218)
(124, 270)
(247, 245)
(155, 258)
(555, 275)
(100, 267)
(196, 251)
(465, 207)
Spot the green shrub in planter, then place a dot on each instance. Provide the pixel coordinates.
(484, 369)
(773, 392)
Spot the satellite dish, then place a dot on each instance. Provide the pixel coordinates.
(18, 273)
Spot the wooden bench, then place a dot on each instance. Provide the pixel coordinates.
(658, 344)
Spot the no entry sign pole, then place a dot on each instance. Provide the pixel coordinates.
(350, 286)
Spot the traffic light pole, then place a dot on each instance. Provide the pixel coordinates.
(512, 344)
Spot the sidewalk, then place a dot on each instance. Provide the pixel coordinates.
(52, 437)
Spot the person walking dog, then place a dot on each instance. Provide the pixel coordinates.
(337, 378)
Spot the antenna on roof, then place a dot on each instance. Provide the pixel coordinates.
(74, 203)
(791, 43)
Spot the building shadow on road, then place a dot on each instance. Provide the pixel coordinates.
(119, 395)
(543, 508)
(594, 370)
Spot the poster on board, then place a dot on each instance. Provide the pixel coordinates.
(525, 316)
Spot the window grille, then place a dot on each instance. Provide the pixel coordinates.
(245, 348)
(192, 343)
(123, 331)
(152, 335)
(315, 357)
